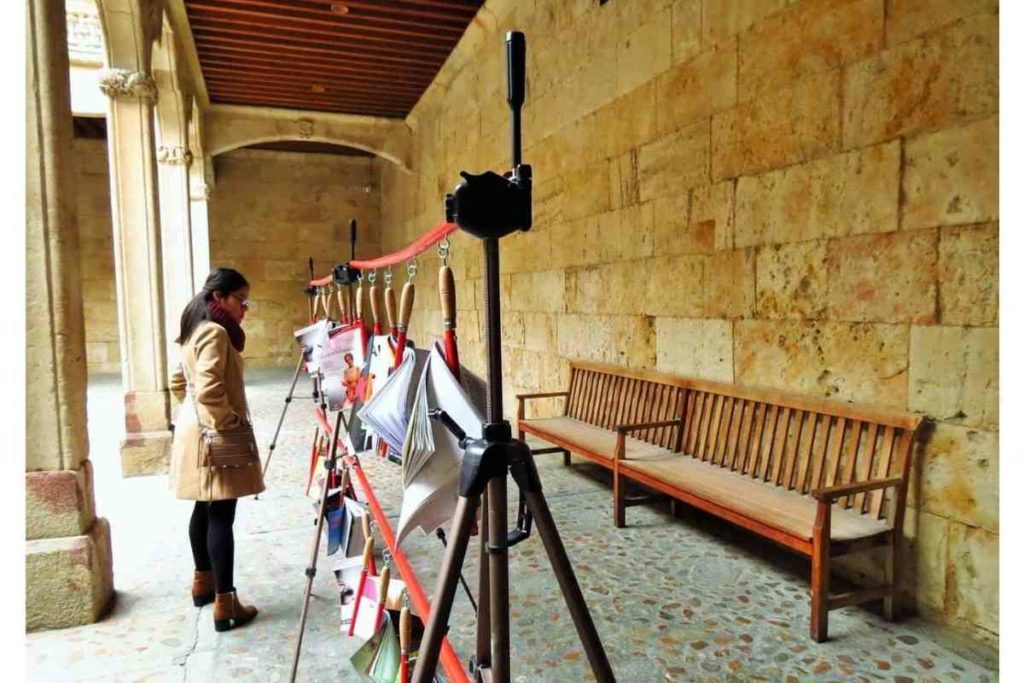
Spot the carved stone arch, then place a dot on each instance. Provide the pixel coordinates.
(227, 128)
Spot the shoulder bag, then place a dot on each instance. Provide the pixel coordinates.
(234, 447)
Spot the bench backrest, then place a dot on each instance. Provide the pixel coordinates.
(799, 442)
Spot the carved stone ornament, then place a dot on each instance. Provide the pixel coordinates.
(200, 191)
(305, 128)
(123, 83)
(173, 154)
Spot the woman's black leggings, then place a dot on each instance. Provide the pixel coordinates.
(213, 541)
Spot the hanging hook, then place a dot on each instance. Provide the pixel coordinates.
(372, 277)
(386, 556)
(444, 247)
(412, 267)
(387, 276)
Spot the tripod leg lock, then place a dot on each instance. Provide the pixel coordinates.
(310, 572)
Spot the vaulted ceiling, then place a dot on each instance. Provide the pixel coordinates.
(371, 57)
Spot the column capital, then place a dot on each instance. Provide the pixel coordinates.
(174, 155)
(117, 83)
(199, 191)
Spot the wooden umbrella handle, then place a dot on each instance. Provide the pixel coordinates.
(358, 303)
(446, 289)
(405, 312)
(405, 629)
(375, 302)
(366, 526)
(391, 305)
(368, 553)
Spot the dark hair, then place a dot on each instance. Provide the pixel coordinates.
(222, 280)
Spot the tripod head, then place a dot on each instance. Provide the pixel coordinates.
(490, 205)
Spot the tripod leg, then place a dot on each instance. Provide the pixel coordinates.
(483, 594)
(497, 556)
(444, 594)
(284, 411)
(310, 573)
(570, 587)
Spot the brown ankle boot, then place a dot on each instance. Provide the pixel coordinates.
(229, 613)
(202, 588)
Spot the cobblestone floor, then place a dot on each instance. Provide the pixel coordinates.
(674, 599)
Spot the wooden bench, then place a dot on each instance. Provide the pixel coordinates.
(821, 477)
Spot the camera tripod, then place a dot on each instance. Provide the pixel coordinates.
(491, 206)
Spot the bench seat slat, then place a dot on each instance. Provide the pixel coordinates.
(784, 510)
(598, 443)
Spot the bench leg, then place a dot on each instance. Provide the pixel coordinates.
(618, 501)
(892, 572)
(820, 559)
(566, 458)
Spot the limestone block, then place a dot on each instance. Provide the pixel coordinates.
(696, 348)
(711, 212)
(615, 339)
(806, 40)
(906, 19)
(675, 286)
(969, 275)
(146, 410)
(548, 199)
(952, 176)
(786, 127)
(59, 502)
(974, 580)
(846, 361)
(729, 284)
(723, 19)
(627, 234)
(954, 374)
(960, 475)
(685, 29)
(539, 332)
(843, 194)
(542, 291)
(615, 288)
(698, 88)
(625, 123)
(925, 84)
(69, 581)
(884, 278)
(792, 280)
(643, 53)
(512, 329)
(586, 191)
(926, 550)
(145, 453)
(675, 162)
(624, 180)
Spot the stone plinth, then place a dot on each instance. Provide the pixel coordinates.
(145, 453)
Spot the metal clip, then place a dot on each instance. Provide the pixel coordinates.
(412, 267)
(444, 248)
(387, 277)
(405, 599)
(386, 556)
(372, 277)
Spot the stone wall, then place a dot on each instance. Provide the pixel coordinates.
(799, 195)
(269, 212)
(96, 240)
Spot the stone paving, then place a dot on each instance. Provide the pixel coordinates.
(674, 599)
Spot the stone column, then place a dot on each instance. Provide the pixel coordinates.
(138, 269)
(199, 194)
(68, 566)
(174, 157)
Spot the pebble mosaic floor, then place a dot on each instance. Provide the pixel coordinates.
(687, 599)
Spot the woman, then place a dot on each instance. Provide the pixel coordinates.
(211, 342)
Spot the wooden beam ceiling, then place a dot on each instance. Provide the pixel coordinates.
(369, 57)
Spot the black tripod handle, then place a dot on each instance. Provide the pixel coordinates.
(450, 424)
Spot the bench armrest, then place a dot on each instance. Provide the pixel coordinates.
(623, 429)
(545, 394)
(521, 400)
(830, 493)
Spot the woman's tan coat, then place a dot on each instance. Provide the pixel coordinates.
(215, 368)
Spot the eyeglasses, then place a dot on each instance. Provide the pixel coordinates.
(245, 303)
